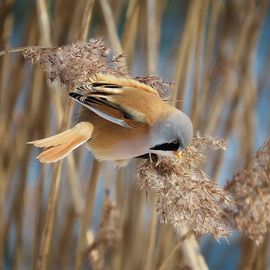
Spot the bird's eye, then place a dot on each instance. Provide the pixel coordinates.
(175, 142)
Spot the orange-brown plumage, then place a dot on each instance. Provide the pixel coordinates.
(123, 117)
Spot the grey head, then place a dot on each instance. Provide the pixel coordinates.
(173, 133)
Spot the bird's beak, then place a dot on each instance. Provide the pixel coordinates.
(177, 154)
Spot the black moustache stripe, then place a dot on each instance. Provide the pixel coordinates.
(167, 146)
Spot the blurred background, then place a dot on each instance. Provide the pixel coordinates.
(217, 55)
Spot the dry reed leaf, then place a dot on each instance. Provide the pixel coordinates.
(185, 194)
(250, 189)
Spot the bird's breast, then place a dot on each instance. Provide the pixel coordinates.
(113, 142)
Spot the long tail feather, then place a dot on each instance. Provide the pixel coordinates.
(56, 153)
(58, 139)
(63, 143)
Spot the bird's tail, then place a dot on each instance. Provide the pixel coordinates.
(60, 145)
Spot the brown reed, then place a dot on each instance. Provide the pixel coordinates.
(215, 50)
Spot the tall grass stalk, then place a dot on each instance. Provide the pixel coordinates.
(48, 214)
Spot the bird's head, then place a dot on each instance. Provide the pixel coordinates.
(171, 134)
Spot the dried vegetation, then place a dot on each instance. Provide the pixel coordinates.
(40, 209)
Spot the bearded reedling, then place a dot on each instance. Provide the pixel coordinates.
(121, 118)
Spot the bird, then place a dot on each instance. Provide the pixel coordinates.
(120, 119)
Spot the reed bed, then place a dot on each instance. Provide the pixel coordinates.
(84, 214)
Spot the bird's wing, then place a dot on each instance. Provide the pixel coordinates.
(100, 96)
(105, 107)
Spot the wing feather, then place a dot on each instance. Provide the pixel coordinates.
(94, 106)
(104, 96)
(108, 84)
